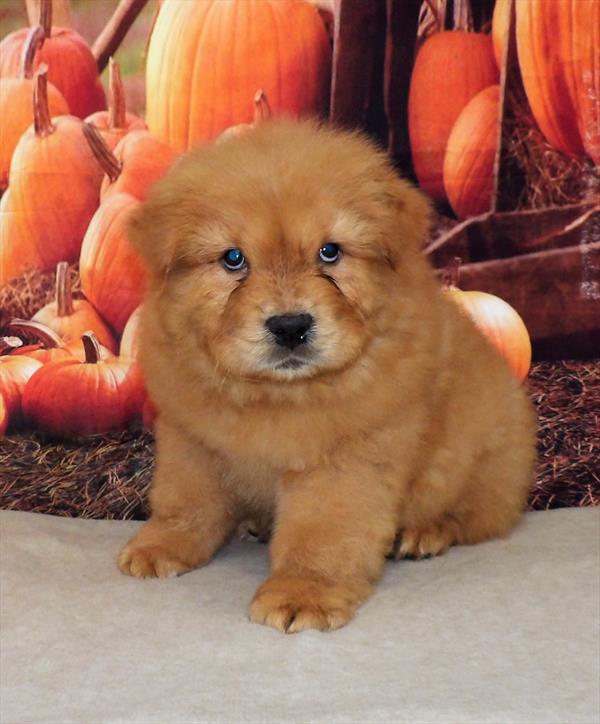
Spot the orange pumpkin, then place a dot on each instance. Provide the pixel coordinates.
(69, 317)
(113, 275)
(500, 21)
(54, 191)
(72, 67)
(116, 122)
(558, 45)
(15, 371)
(16, 113)
(49, 347)
(4, 416)
(450, 69)
(470, 154)
(262, 111)
(130, 340)
(73, 398)
(135, 164)
(206, 59)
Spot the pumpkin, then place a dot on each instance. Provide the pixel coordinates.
(135, 164)
(130, 338)
(113, 275)
(15, 371)
(54, 191)
(450, 69)
(497, 320)
(470, 155)
(72, 67)
(558, 45)
(73, 398)
(4, 416)
(16, 113)
(262, 111)
(116, 122)
(69, 317)
(500, 22)
(49, 347)
(206, 59)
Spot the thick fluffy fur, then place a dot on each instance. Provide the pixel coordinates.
(400, 432)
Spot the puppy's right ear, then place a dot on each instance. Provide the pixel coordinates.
(151, 230)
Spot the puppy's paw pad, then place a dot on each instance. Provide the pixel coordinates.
(432, 540)
(151, 561)
(293, 605)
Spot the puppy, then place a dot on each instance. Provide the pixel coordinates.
(310, 374)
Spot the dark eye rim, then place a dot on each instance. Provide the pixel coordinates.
(234, 267)
(334, 260)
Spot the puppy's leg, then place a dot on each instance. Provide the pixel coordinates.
(327, 551)
(191, 515)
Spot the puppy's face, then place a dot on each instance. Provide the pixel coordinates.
(277, 253)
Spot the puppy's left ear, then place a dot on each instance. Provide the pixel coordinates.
(411, 216)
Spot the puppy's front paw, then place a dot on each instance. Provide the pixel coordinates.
(150, 561)
(295, 604)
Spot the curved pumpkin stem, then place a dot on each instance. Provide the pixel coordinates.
(62, 290)
(91, 347)
(262, 109)
(116, 97)
(8, 344)
(42, 123)
(105, 157)
(451, 273)
(46, 17)
(44, 335)
(35, 39)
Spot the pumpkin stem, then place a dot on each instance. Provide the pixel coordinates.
(46, 17)
(35, 39)
(451, 273)
(44, 335)
(42, 122)
(7, 344)
(463, 15)
(91, 347)
(63, 293)
(262, 109)
(105, 157)
(116, 97)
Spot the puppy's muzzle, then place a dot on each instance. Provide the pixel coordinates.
(290, 330)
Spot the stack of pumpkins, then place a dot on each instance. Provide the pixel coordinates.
(454, 121)
(71, 179)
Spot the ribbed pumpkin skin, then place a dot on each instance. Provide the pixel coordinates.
(71, 67)
(470, 153)
(112, 274)
(206, 60)
(558, 45)
(451, 68)
(15, 371)
(16, 116)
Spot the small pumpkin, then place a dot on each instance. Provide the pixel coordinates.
(134, 165)
(69, 317)
(497, 320)
(450, 69)
(206, 59)
(49, 347)
(116, 122)
(262, 112)
(3, 416)
(16, 114)
(54, 191)
(72, 67)
(113, 275)
(15, 371)
(470, 155)
(71, 398)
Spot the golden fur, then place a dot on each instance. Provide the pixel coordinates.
(403, 432)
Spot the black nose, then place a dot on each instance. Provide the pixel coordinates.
(289, 330)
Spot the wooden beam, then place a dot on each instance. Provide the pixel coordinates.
(107, 43)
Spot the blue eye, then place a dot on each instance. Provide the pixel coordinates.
(330, 253)
(233, 260)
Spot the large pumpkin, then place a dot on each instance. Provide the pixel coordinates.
(112, 273)
(470, 154)
(207, 59)
(53, 193)
(451, 68)
(558, 43)
(16, 113)
(72, 67)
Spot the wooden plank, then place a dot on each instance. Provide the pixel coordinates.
(401, 36)
(357, 26)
